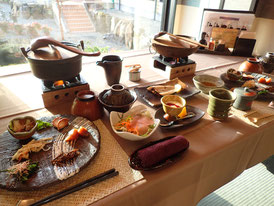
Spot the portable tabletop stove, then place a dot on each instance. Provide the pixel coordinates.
(175, 67)
(56, 92)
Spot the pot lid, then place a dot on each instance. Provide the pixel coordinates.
(245, 92)
(51, 53)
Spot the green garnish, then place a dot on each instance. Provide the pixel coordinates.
(263, 92)
(42, 125)
(150, 128)
(23, 170)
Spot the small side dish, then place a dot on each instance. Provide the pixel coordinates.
(22, 127)
(206, 82)
(136, 124)
(173, 105)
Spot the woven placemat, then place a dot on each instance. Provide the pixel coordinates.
(111, 155)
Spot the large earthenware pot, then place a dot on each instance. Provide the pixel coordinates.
(252, 65)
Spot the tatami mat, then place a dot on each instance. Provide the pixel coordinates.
(254, 187)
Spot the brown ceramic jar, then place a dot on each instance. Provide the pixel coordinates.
(86, 104)
(252, 65)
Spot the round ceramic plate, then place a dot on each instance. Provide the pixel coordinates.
(198, 115)
(135, 164)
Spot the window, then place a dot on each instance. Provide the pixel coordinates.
(105, 25)
(243, 5)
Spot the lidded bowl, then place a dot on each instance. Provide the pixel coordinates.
(117, 98)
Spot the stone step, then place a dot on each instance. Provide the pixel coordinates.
(80, 12)
(81, 29)
(78, 20)
(69, 9)
(76, 16)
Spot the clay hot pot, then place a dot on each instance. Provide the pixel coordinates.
(51, 60)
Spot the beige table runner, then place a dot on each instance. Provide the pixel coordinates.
(110, 156)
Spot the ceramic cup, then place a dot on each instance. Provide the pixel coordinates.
(220, 102)
(112, 65)
(134, 76)
(173, 104)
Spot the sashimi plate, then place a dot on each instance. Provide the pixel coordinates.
(115, 117)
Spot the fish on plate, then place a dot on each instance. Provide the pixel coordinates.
(167, 88)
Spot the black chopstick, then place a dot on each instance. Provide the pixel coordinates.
(98, 178)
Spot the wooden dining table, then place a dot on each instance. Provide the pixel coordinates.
(219, 150)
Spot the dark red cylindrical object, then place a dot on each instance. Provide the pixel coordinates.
(156, 153)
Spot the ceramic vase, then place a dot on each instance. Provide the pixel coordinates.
(252, 65)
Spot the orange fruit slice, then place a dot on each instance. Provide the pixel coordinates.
(183, 113)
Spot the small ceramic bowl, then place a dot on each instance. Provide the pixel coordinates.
(115, 104)
(115, 117)
(22, 135)
(173, 104)
(206, 82)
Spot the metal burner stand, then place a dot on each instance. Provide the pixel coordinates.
(62, 94)
(175, 67)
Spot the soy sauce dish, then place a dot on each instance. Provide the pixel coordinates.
(135, 125)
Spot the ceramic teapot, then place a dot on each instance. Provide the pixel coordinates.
(112, 65)
(268, 62)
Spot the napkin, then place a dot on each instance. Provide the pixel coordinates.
(158, 152)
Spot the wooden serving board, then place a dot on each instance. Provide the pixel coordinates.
(47, 174)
